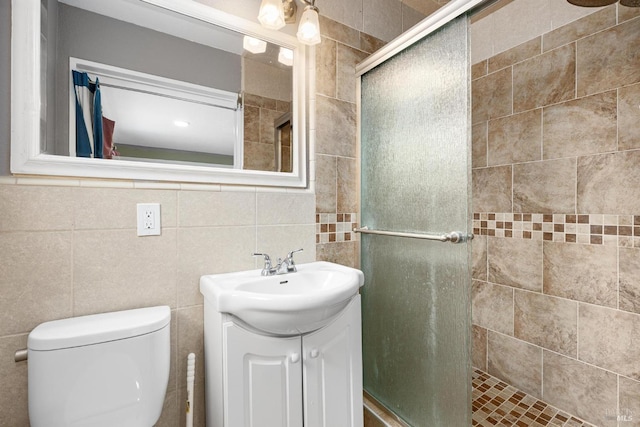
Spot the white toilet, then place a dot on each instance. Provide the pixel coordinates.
(102, 370)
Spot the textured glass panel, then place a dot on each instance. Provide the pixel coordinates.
(416, 178)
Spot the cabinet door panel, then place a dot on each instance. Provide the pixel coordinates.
(263, 380)
(333, 372)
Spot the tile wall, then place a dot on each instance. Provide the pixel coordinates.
(73, 250)
(556, 168)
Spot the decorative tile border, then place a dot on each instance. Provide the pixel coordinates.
(594, 229)
(335, 227)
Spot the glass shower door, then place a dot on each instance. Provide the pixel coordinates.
(415, 119)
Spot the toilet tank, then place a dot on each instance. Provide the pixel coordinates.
(107, 369)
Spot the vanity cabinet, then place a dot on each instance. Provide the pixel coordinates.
(313, 379)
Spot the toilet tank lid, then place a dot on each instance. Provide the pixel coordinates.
(98, 328)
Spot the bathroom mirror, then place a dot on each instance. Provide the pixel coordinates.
(181, 95)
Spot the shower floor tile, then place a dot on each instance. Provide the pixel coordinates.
(495, 403)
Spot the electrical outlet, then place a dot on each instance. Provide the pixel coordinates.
(148, 219)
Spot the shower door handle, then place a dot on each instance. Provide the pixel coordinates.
(452, 237)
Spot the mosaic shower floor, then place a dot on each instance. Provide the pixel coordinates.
(495, 403)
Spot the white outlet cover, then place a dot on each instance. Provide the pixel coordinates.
(148, 219)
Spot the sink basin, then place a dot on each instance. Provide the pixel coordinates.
(287, 304)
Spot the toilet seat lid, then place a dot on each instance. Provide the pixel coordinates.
(97, 328)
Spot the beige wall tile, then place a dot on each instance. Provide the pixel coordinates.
(563, 13)
(481, 35)
(479, 347)
(581, 272)
(35, 208)
(204, 208)
(326, 67)
(516, 362)
(603, 183)
(491, 189)
(344, 253)
(425, 7)
(479, 257)
(326, 184)
(410, 17)
(545, 79)
(581, 127)
(190, 340)
(580, 389)
(479, 69)
(516, 138)
(629, 117)
(116, 270)
(546, 321)
(518, 22)
(506, 265)
(382, 19)
(369, 43)
(267, 134)
(629, 404)
(259, 156)
(279, 240)
(346, 79)
(251, 122)
(491, 96)
(173, 370)
(170, 412)
(516, 54)
(13, 399)
(597, 21)
(629, 272)
(479, 145)
(548, 186)
(614, 50)
(338, 138)
(334, 30)
(114, 208)
(608, 339)
(35, 278)
(492, 306)
(349, 13)
(627, 13)
(282, 208)
(210, 251)
(347, 189)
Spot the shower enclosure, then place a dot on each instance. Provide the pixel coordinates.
(415, 190)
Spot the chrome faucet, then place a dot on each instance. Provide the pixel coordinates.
(283, 266)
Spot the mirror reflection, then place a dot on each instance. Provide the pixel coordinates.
(124, 81)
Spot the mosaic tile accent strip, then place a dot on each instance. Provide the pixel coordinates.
(620, 230)
(497, 403)
(335, 227)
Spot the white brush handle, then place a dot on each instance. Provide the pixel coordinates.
(191, 373)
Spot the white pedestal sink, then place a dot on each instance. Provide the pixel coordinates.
(284, 350)
(286, 304)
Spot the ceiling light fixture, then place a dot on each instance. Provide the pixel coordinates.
(254, 45)
(181, 123)
(274, 14)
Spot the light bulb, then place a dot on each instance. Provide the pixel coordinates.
(271, 14)
(309, 29)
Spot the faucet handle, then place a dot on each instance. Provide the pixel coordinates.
(290, 254)
(267, 263)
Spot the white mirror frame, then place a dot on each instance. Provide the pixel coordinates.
(26, 158)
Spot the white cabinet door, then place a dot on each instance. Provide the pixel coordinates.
(333, 372)
(263, 379)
